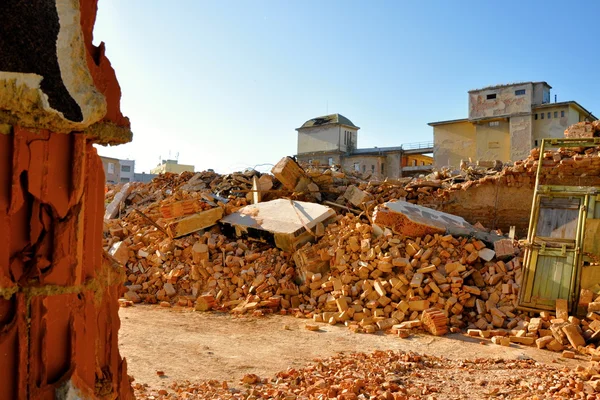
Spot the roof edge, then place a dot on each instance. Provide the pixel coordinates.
(508, 85)
(447, 122)
(564, 103)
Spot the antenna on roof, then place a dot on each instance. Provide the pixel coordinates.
(555, 98)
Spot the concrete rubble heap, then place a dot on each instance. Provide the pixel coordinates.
(58, 292)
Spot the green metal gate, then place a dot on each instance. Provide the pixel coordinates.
(554, 258)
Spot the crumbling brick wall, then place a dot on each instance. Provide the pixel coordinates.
(58, 305)
(58, 290)
(494, 205)
(504, 200)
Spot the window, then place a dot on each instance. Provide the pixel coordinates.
(549, 114)
(536, 143)
(422, 162)
(382, 169)
(491, 96)
(414, 163)
(372, 169)
(330, 160)
(536, 116)
(495, 123)
(111, 168)
(357, 167)
(124, 180)
(519, 92)
(364, 168)
(125, 168)
(555, 114)
(542, 115)
(562, 114)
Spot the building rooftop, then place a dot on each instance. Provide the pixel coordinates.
(508, 84)
(327, 120)
(108, 158)
(566, 103)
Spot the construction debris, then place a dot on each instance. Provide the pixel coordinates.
(583, 130)
(413, 220)
(398, 375)
(383, 266)
(291, 223)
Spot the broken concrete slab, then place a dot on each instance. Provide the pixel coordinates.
(487, 254)
(287, 221)
(412, 220)
(115, 205)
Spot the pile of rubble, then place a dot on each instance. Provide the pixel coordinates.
(584, 129)
(398, 375)
(390, 281)
(194, 240)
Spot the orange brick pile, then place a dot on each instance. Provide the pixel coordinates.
(583, 130)
(559, 332)
(386, 282)
(398, 376)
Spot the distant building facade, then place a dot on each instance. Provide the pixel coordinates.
(332, 139)
(127, 171)
(123, 171)
(112, 169)
(504, 123)
(143, 177)
(172, 166)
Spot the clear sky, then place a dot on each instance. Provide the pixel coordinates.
(225, 83)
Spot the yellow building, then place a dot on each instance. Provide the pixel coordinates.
(171, 166)
(505, 122)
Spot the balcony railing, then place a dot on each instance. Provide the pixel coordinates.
(417, 145)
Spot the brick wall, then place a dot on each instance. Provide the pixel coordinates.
(494, 205)
(59, 294)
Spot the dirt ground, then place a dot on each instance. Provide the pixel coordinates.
(196, 346)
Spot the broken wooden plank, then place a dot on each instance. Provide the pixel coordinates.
(193, 223)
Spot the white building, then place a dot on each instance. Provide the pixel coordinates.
(127, 170)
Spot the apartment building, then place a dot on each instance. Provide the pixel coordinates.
(332, 139)
(504, 123)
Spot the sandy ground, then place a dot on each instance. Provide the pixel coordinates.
(196, 346)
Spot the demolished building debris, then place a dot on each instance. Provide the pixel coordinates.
(362, 269)
(291, 223)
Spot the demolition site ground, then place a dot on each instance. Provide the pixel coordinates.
(200, 347)
(251, 285)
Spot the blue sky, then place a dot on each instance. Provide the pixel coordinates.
(225, 83)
